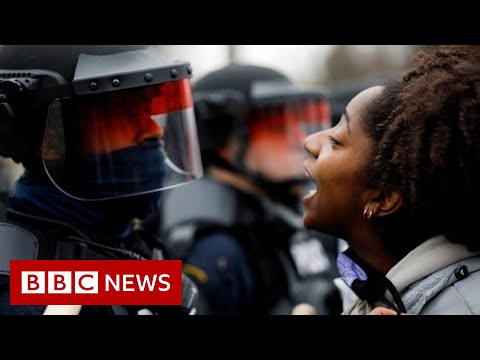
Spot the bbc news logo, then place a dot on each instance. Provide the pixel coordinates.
(93, 282)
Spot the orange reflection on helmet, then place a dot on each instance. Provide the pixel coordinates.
(276, 136)
(120, 119)
(289, 124)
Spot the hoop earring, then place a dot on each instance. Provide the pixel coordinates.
(369, 216)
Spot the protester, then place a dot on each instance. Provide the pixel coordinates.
(397, 178)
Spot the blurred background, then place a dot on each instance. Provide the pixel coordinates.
(310, 65)
(341, 71)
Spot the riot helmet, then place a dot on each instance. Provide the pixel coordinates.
(103, 121)
(340, 94)
(267, 114)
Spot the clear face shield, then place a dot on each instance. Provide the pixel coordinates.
(276, 136)
(126, 141)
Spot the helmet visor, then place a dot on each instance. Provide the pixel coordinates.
(277, 134)
(121, 143)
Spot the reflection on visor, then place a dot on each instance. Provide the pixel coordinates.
(290, 124)
(128, 117)
(122, 143)
(276, 136)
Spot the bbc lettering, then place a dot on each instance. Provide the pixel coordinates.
(90, 282)
(59, 282)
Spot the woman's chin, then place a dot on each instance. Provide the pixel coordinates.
(308, 221)
(311, 222)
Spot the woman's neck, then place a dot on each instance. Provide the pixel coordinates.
(370, 247)
(379, 260)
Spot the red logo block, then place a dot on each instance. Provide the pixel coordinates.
(93, 282)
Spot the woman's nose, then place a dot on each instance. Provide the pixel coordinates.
(149, 130)
(313, 143)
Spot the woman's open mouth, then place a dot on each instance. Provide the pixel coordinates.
(312, 192)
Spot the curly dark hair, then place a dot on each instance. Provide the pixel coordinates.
(425, 130)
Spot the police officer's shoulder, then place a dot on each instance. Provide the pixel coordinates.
(217, 242)
(215, 253)
(207, 200)
(185, 210)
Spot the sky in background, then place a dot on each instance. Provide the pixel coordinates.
(301, 63)
(296, 61)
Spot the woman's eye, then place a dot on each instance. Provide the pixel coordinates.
(333, 140)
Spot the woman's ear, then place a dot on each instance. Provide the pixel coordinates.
(386, 202)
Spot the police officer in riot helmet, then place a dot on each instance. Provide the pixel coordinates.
(242, 237)
(100, 131)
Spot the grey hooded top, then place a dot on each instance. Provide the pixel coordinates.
(436, 278)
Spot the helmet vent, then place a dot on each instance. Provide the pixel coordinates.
(15, 75)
